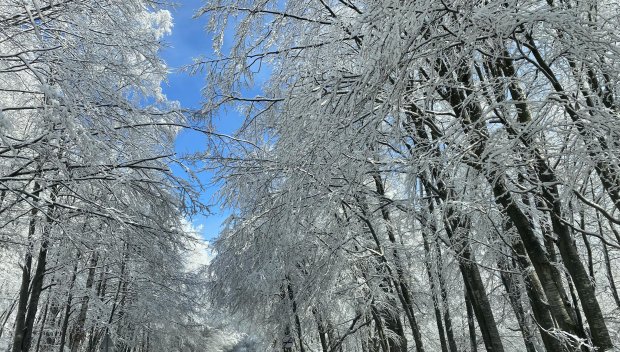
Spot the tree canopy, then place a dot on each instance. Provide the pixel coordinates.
(421, 175)
(408, 176)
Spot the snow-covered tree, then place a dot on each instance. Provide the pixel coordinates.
(90, 211)
(407, 161)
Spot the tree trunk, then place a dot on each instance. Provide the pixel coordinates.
(321, 330)
(77, 334)
(400, 283)
(42, 329)
(457, 229)
(513, 290)
(480, 302)
(390, 283)
(67, 313)
(36, 286)
(22, 305)
(471, 324)
(470, 114)
(35, 294)
(383, 341)
(291, 297)
(538, 300)
(434, 296)
(610, 276)
(444, 298)
(6, 315)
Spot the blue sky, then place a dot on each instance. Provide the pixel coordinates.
(189, 39)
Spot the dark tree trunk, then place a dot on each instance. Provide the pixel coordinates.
(321, 329)
(586, 242)
(42, 329)
(471, 324)
(291, 297)
(513, 289)
(444, 298)
(457, 229)
(544, 268)
(480, 302)
(610, 276)
(22, 305)
(36, 286)
(67, 313)
(390, 284)
(77, 333)
(470, 114)
(472, 279)
(538, 300)
(400, 283)
(436, 307)
(383, 341)
(610, 180)
(573, 296)
(35, 294)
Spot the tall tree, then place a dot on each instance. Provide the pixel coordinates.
(486, 125)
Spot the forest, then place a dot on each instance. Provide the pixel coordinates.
(406, 176)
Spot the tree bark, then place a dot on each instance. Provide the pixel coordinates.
(67, 313)
(321, 330)
(444, 298)
(35, 294)
(538, 300)
(379, 327)
(470, 115)
(400, 283)
(77, 334)
(457, 229)
(42, 329)
(436, 307)
(471, 324)
(513, 289)
(291, 297)
(610, 276)
(22, 305)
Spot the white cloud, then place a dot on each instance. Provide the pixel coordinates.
(200, 253)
